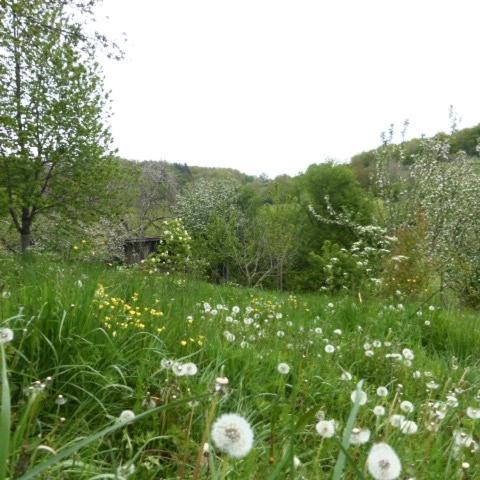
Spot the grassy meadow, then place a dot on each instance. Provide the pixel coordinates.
(91, 342)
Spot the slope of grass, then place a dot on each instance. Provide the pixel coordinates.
(97, 336)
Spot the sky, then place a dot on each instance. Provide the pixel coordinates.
(272, 86)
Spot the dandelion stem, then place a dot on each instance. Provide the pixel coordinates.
(205, 436)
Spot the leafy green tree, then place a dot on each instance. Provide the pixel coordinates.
(327, 186)
(54, 147)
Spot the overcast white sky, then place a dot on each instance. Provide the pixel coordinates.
(274, 85)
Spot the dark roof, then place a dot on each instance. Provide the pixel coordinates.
(142, 240)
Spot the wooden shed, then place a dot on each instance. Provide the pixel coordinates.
(137, 249)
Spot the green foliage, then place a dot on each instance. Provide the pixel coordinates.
(55, 154)
(97, 336)
(335, 185)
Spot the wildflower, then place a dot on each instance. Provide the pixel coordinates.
(408, 427)
(296, 462)
(337, 331)
(408, 354)
(283, 368)
(190, 369)
(318, 330)
(346, 376)
(382, 391)
(235, 309)
(325, 428)
(221, 384)
(383, 463)
(167, 364)
(473, 413)
(397, 420)
(6, 335)
(125, 471)
(230, 337)
(407, 406)
(126, 416)
(329, 348)
(379, 411)
(360, 396)
(178, 369)
(233, 435)
(359, 436)
(60, 400)
(369, 353)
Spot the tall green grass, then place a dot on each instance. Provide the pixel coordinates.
(62, 340)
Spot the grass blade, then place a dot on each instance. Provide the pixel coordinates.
(342, 458)
(5, 417)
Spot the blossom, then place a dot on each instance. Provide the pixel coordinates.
(190, 369)
(473, 413)
(360, 396)
(329, 348)
(165, 363)
(359, 436)
(408, 354)
(126, 416)
(232, 434)
(397, 420)
(283, 368)
(325, 428)
(178, 369)
(382, 391)
(6, 335)
(408, 427)
(383, 463)
(379, 411)
(407, 406)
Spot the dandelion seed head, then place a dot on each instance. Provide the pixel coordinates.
(232, 434)
(383, 462)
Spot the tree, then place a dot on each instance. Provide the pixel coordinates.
(329, 185)
(54, 147)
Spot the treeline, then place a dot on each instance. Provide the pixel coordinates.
(466, 140)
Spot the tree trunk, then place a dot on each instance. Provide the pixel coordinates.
(26, 230)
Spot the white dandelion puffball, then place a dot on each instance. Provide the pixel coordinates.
(383, 463)
(359, 436)
(408, 427)
(359, 395)
(329, 348)
(126, 416)
(396, 420)
(190, 369)
(408, 354)
(379, 411)
(382, 391)
(233, 435)
(166, 363)
(6, 335)
(473, 413)
(283, 368)
(178, 369)
(407, 406)
(325, 428)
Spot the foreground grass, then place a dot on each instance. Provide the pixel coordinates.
(98, 336)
